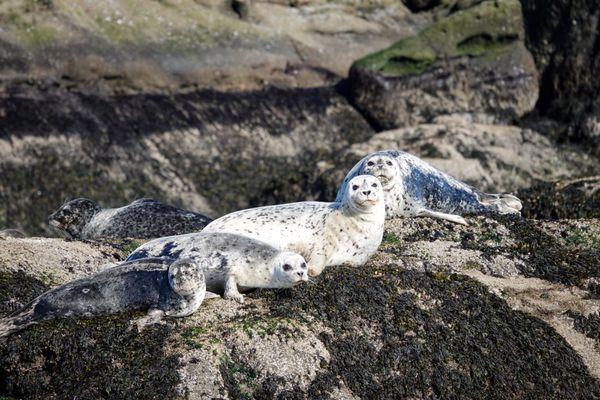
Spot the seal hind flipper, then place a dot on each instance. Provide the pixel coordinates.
(503, 203)
(17, 322)
(457, 219)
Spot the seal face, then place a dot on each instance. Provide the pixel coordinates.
(143, 218)
(348, 231)
(159, 286)
(413, 188)
(230, 263)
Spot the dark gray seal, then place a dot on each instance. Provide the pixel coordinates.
(143, 218)
(159, 286)
(232, 263)
(413, 188)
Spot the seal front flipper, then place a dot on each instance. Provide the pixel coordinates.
(154, 316)
(231, 290)
(211, 295)
(457, 219)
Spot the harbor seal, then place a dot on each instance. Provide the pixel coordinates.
(159, 286)
(144, 219)
(232, 263)
(326, 234)
(413, 188)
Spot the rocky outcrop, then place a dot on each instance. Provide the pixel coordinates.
(473, 61)
(574, 198)
(440, 309)
(206, 151)
(564, 37)
(193, 42)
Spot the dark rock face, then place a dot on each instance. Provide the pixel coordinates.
(421, 5)
(578, 198)
(564, 37)
(206, 151)
(471, 62)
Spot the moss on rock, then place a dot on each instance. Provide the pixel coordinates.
(97, 358)
(16, 289)
(406, 334)
(481, 31)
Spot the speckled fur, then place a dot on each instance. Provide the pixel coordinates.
(326, 234)
(414, 188)
(159, 286)
(229, 258)
(143, 218)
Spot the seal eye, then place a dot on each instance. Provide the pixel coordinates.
(389, 163)
(374, 185)
(370, 163)
(287, 267)
(354, 187)
(303, 265)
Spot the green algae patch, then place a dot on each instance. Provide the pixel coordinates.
(52, 359)
(485, 30)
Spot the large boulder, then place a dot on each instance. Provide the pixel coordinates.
(471, 62)
(500, 309)
(212, 152)
(563, 36)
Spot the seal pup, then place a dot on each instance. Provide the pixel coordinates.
(414, 188)
(232, 263)
(326, 234)
(159, 286)
(144, 219)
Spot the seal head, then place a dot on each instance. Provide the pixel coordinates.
(364, 194)
(74, 215)
(383, 167)
(186, 276)
(290, 269)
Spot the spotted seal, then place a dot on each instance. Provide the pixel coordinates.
(144, 218)
(159, 286)
(326, 234)
(414, 188)
(233, 263)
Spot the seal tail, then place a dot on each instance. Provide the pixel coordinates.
(503, 203)
(16, 322)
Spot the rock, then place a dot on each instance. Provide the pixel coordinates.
(434, 312)
(207, 151)
(473, 61)
(563, 37)
(188, 42)
(493, 158)
(421, 5)
(449, 5)
(576, 198)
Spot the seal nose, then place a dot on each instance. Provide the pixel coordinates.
(300, 274)
(366, 192)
